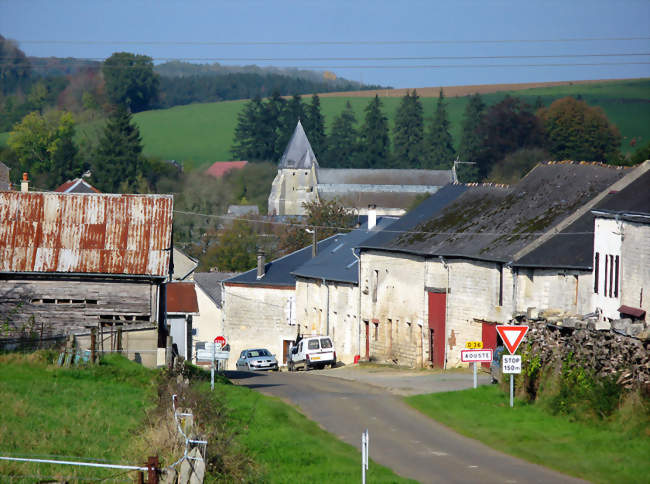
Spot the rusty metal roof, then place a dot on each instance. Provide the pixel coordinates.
(85, 233)
(181, 298)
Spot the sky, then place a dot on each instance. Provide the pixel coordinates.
(392, 43)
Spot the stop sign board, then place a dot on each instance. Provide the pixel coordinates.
(220, 340)
(512, 336)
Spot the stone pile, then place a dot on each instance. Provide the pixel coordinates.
(621, 347)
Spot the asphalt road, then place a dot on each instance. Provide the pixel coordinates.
(401, 438)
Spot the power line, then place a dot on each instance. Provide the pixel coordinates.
(332, 42)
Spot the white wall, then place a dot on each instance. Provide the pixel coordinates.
(207, 322)
(258, 317)
(607, 242)
(330, 308)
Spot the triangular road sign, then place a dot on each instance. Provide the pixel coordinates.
(512, 336)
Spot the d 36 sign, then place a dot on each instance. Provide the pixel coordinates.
(511, 364)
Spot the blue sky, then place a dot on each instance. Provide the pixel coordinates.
(447, 41)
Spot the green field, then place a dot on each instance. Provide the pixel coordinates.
(605, 451)
(200, 134)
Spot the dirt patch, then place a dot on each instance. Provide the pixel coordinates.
(459, 91)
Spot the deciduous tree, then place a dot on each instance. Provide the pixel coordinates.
(131, 81)
(574, 130)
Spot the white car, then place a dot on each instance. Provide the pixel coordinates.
(312, 352)
(256, 359)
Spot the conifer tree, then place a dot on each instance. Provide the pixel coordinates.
(408, 134)
(441, 147)
(471, 140)
(292, 112)
(375, 143)
(248, 143)
(343, 141)
(314, 126)
(119, 154)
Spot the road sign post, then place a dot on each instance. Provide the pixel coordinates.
(475, 357)
(512, 337)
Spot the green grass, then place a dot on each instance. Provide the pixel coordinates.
(291, 448)
(200, 134)
(80, 414)
(600, 452)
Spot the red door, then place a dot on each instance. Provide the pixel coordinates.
(489, 338)
(437, 309)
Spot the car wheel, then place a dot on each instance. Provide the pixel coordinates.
(333, 365)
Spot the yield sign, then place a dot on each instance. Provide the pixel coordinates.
(512, 336)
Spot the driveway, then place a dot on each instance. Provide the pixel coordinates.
(401, 438)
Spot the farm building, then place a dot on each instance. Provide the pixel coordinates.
(491, 253)
(72, 262)
(300, 179)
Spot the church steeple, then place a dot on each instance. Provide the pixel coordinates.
(298, 153)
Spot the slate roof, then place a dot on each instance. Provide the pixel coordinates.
(279, 271)
(353, 176)
(492, 222)
(425, 210)
(338, 263)
(210, 283)
(243, 210)
(573, 247)
(78, 185)
(184, 265)
(298, 153)
(181, 298)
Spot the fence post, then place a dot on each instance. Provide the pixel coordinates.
(152, 470)
(93, 344)
(169, 360)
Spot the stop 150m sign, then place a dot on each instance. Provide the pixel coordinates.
(511, 364)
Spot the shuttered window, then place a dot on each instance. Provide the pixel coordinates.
(596, 271)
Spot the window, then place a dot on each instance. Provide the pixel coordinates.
(312, 344)
(605, 278)
(325, 343)
(611, 273)
(500, 284)
(376, 335)
(616, 277)
(409, 328)
(375, 283)
(596, 270)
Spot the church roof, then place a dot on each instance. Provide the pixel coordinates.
(356, 176)
(298, 153)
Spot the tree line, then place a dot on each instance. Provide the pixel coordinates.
(502, 140)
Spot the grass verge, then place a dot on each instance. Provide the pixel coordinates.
(607, 451)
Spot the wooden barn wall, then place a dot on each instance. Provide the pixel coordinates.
(55, 306)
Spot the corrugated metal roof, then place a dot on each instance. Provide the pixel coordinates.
(85, 233)
(181, 298)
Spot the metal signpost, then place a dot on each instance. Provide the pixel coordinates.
(213, 354)
(365, 442)
(512, 337)
(475, 357)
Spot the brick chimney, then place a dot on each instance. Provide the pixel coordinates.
(24, 185)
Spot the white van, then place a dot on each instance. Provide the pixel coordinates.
(312, 352)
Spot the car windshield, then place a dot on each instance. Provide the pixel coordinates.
(255, 353)
(313, 344)
(325, 343)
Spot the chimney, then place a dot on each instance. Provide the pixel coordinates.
(372, 216)
(261, 264)
(24, 185)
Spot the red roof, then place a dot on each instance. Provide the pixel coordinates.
(181, 298)
(220, 168)
(78, 185)
(85, 233)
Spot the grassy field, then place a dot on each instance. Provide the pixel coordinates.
(200, 134)
(100, 414)
(600, 452)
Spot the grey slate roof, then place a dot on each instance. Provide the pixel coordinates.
(210, 282)
(184, 265)
(279, 271)
(339, 263)
(243, 210)
(573, 247)
(345, 176)
(495, 222)
(428, 208)
(298, 153)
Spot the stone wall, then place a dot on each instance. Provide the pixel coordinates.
(620, 347)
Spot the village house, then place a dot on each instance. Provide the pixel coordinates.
(73, 262)
(182, 306)
(300, 179)
(207, 324)
(459, 272)
(327, 290)
(621, 268)
(259, 306)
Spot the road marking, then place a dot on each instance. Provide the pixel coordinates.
(472, 467)
(439, 454)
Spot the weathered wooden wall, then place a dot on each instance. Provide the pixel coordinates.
(53, 306)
